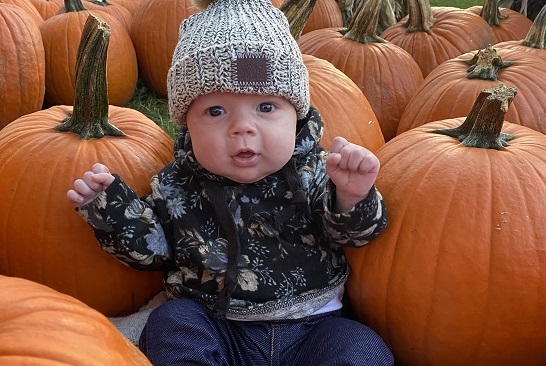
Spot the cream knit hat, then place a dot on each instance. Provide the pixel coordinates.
(241, 46)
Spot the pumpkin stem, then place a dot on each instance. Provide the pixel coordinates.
(491, 12)
(486, 64)
(297, 12)
(387, 17)
(347, 10)
(536, 37)
(363, 25)
(72, 6)
(89, 117)
(482, 127)
(420, 17)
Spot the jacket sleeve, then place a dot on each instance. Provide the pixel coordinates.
(128, 227)
(356, 227)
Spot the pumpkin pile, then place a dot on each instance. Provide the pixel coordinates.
(458, 276)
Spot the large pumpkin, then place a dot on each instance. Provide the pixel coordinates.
(343, 107)
(387, 75)
(433, 35)
(42, 238)
(22, 80)
(459, 275)
(61, 34)
(506, 24)
(42, 327)
(450, 90)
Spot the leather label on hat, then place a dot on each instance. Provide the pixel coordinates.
(250, 69)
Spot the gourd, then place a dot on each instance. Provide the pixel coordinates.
(42, 327)
(458, 275)
(22, 79)
(41, 154)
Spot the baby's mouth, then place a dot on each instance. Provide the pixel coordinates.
(245, 154)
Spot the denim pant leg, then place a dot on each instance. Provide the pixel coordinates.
(182, 332)
(338, 341)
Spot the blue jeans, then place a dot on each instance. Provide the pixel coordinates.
(184, 332)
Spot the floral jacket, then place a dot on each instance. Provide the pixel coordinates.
(262, 251)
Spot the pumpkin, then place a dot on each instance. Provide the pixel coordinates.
(458, 276)
(42, 327)
(22, 80)
(122, 14)
(27, 6)
(61, 34)
(325, 14)
(535, 41)
(387, 74)
(47, 8)
(507, 24)
(449, 90)
(343, 107)
(41, 154)
(154, 34)
(433, 35)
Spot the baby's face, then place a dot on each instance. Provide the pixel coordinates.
(243, 137)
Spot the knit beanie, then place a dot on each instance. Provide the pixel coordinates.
(240, 46)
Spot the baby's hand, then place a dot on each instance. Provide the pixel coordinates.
(353, 170)
(88, 188)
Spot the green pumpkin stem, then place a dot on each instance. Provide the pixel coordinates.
(491, 12)
(363, 25)
(536, 37)
(420, 17)
(485, 64)
(297, 12)
(73, 6)
(482, 127)
(89, 117)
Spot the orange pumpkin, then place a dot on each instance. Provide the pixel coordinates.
(325, 14)
(47, 8)
(27, 6)
(343, 107)
(458, 276)
(41, 154)
(154, 34)
(387, 75)
(121, 13)
(506, 24)
(433, 35)
(61, 34)
(450, 90)
(42, 327)
(22, 80)
(535, 41)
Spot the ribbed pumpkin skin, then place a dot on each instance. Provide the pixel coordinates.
(61, 36)
(27, 6)
(447, 93)
(155, 34)
(343, 107)
(511, 28)
(325, 14)
(454, 32)
(47, 8)
(42, 327)
(459, 275)
(42, 238)
(387, 75)
(22, 61)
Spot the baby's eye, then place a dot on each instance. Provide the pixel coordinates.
(266, 107)
(215, 111)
